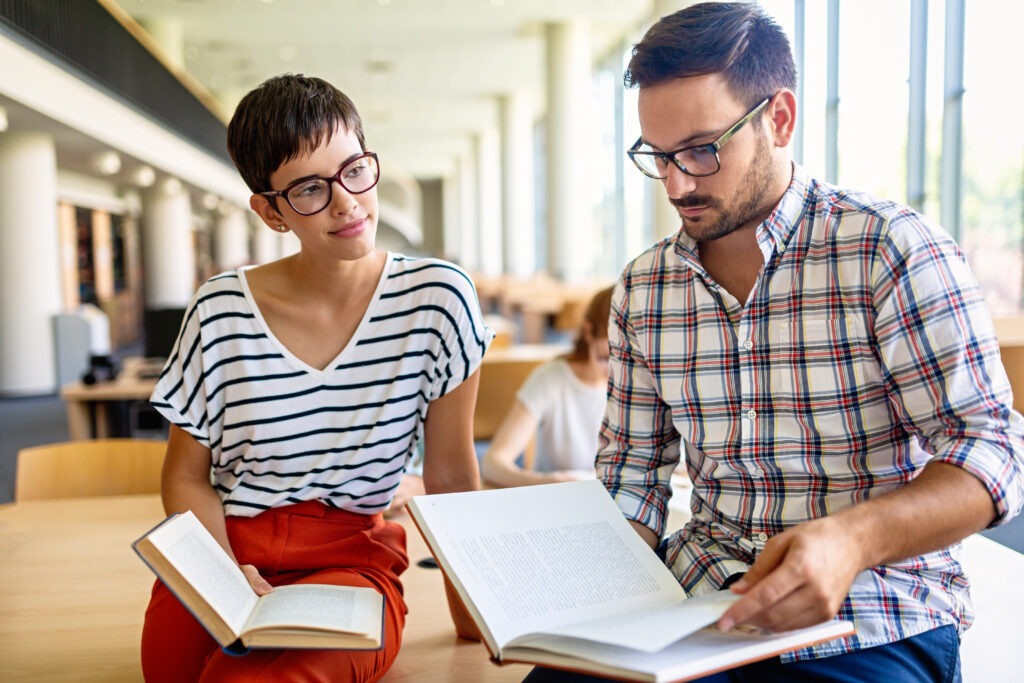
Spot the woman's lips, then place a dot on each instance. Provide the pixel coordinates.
(351, 229)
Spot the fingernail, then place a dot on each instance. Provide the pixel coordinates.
(725, 624)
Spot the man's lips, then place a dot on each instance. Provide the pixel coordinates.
(692, 207)
(691, 211)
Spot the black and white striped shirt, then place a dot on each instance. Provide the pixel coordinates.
(281, 431)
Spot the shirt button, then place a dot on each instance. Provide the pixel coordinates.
(748, 345)
(751, 414)
(782, 248)
(762, 537)
(758, 472)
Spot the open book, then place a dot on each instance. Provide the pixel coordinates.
(555, 575)
(196, 569)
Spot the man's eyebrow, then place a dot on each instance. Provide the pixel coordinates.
(689, 141)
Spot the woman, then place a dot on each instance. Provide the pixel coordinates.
(304, 385)
(561, 404)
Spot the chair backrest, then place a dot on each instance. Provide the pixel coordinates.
(502, 372)
(95, 467)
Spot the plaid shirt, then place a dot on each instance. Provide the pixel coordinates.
(863, 352)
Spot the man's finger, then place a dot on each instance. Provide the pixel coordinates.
(760, 596)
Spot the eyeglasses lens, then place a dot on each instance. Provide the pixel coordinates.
(356, 177)
(697, 161)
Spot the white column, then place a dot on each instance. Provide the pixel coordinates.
(489, 234)
(29, 263)
(468, 255)
(230, 238)
(287, 244)
(517, 201)
(451, 209)
(168, 250)
(266, 246)
(568, 96)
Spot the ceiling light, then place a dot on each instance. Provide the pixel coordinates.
(3, 120)
(107, 163)
(144, 176)
(171, 187)
(210, 201)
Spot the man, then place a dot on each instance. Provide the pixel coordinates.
(822, 360)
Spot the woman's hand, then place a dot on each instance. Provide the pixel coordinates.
(411, 485)
(257, 582)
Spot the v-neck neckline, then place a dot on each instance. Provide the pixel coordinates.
(351, 343)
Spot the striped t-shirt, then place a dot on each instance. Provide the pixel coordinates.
(283, 432)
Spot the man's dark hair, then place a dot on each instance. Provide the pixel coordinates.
(737, 39)
(286, 116)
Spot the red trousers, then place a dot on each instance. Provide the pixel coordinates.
(304, 543)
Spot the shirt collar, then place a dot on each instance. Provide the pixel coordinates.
(774, 232)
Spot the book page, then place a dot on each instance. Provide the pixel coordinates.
(318, 606)
(699, 654)
(539, 557)
(649, 630)
(189, 547)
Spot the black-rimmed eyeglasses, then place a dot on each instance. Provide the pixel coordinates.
(312, 195)
(697, 161)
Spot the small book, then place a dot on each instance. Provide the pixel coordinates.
(554, 575)
(190, 562)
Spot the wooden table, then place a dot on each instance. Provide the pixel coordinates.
(73, 593)
(88, 403)
(72, 596)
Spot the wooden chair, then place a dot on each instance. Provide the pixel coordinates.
(502, 372)
(98, 467)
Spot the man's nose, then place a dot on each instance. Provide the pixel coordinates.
(678, 183)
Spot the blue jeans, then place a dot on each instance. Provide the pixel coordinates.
(931, 657)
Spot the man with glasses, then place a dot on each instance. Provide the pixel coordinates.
(821, 359)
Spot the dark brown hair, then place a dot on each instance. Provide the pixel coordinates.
(286, 116)
(737, 39)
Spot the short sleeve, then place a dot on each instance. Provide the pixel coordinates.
(178, 394)
(460, 322)
(536, 392)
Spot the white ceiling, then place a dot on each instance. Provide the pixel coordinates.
(426, 75)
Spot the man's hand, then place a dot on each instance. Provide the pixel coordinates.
(800, 579)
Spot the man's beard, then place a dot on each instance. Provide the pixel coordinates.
(751, 192)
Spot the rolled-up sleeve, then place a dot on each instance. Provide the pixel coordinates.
(940, 358)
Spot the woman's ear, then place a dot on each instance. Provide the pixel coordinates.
(264, 208)
(587, 331)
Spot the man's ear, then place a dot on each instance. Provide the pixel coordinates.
(782, 117)
(264, 208)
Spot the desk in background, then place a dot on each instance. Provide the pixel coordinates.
(89, 404)
(73, 593)
(1010, 332)
(502, 372)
